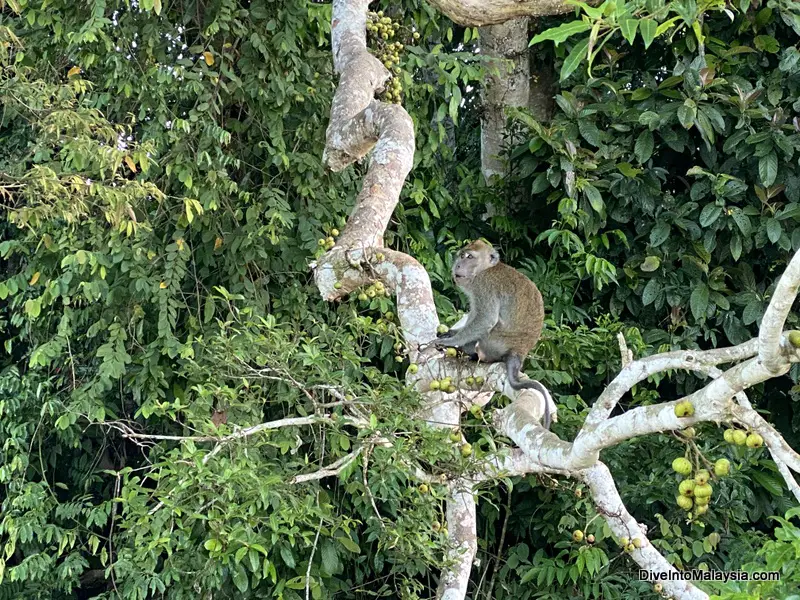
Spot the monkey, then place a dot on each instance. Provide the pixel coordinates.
(505, 318)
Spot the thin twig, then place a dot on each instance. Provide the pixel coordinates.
(332, 469)
(500, 547)
(367, 491)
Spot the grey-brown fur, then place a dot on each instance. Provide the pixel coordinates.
(505, 317)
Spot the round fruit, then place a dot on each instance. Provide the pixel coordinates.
(479, 380)
(321, 241)
(389, 315)
(334, 232)
(329, 239)
(722, 467)
(701, 477)
(337, 285)
(577, 535)
(684, 409)
(754, 440)
(630, 548)
(684, 502)
(436, 526)
(451, 389)
(701, 509)
(451, 352)
(371, 293)
(578, 493)
(739, 437)
(466, 450)
(446, 381)
(435, 385)
(413, 368)
(442, 329)
(590, 538)
(728, 435)
(703, 491)
(702, 501)
(455, 437)
(398, 347)
(379, 256)
(363, 297)
(475, 409)
(416, 35)
(423, 488)
(686, 488)
(682, 466)
(470, 381)
(657, 588)
(689, 432)
(398, 357)
(624, 541)
(637, 542)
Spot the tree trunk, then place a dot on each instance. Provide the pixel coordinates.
(507, 85)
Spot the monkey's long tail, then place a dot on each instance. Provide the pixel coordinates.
(513, 366)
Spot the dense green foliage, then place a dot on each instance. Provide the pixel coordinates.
(162, 188)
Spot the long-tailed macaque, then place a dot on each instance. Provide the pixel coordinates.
(505, 317)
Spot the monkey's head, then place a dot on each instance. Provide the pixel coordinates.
(473, 259)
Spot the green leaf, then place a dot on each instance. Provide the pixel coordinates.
(766, 43)
(651, 292)
(628, 29)
(594, 197)
(648, 29)
(574, 59)
(455, 103)
(349, 544)
(651, 119)
(742, 221)
(628, 170)
(736, 247)
(562, 32)
(698, 301)
(287, 556)
(710, 214)
(240, 579)
(330, 558)
(752, 312)
(659, 234)
(687, 113)
(643, 149)
(768, 168)
(769, 482)
(650, 264)
(774, 230)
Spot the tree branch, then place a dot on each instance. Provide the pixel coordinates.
(476, 13)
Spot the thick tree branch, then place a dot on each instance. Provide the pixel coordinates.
(771, 350)
(610, 505)
(476, 13)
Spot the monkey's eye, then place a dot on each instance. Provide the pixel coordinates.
(467, 255)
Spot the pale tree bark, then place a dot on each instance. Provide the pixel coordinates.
(360, 124)
(477, 13)
(506, 85)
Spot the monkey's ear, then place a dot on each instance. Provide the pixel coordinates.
(494, 257)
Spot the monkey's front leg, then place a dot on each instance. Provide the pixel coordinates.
(472, 331)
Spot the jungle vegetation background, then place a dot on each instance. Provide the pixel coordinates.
(162, 196)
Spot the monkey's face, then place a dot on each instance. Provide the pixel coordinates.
(472, 260)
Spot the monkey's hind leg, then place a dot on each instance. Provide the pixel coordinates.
(490, 350)
(470, 351)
